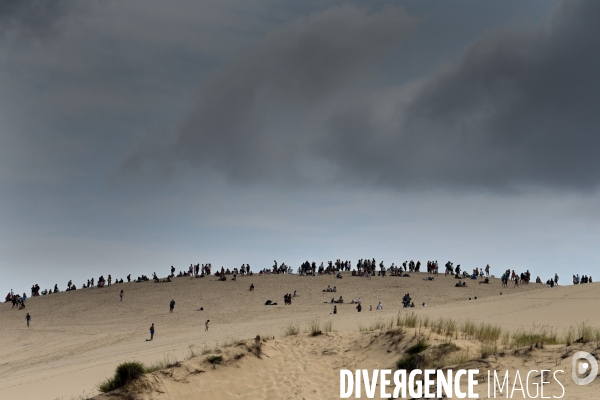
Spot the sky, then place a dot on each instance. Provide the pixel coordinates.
(140, 134)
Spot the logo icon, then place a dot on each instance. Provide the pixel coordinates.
(584, 368)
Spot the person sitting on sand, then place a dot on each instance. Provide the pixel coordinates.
(379, 307)
(251, 286)
(359, 308)
(334, 289)
(406, 300)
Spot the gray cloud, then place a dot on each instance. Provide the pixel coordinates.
(516, 108)
(34, 18)
(254, 116)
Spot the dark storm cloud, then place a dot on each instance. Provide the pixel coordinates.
(33, 18)
(248, 114)
(517, 108)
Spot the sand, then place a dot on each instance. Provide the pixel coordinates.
(76, 339)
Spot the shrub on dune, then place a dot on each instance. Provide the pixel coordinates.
(125, 373)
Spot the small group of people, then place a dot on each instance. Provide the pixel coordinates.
(311, 268)
(193, 271)
(339, 301)
(278, 269)
(522, 278)
(330, 289)
(584, 279)
(16, 299)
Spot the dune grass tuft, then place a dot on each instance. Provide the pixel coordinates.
(291, 330)
(418, 348)
(314, 328)
(126, 372)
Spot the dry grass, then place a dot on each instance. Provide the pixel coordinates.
(492, 335)
(314, 328)
(291, 330)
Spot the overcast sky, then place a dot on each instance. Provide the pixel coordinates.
(140, 134)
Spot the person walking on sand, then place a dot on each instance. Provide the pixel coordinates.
(152, 331)
(171, 305)
(206, 325)
(121, 295)
(28, 318)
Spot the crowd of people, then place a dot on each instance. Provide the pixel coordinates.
(366, 268)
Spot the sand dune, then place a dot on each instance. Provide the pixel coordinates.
(305, 367)
(77, 338)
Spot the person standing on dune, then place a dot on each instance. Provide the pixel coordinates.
(152, 331)
(172, 305)
(121, 295)
(28, 318)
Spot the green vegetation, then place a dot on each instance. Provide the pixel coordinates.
(125, 373)
(492, 335)
(418, 348)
